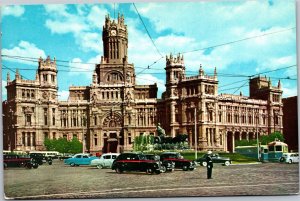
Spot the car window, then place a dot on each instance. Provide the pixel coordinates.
(114, 156)
(85, 156)
(79, 156)
(107, 157)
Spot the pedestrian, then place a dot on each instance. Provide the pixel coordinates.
(209, 164)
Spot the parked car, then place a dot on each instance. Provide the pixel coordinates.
(40, 158)
(289, 158)
(105, 160)
(215, 158)
(135, 162)
(166, 166)
(13, 160)
(180, 162)
(79, 159)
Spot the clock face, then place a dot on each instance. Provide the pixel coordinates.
(113, 32)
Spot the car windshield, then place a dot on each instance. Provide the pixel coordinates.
(142, 157)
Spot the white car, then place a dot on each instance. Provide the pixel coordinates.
(105, 161)
(290, 158)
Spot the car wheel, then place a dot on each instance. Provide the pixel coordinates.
(204, 164)
(35, 165)
(157, 171)
(50, 162)
(191, 169)
(149, 171)
(119, 170)
(227, 163)
(99, 166)
(185, 168)
(290, 161)
(29, 166)
(72, 164)
(163, 169)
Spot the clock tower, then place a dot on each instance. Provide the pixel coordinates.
(115, 40)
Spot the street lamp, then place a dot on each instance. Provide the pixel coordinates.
(195, 118)
(257, 120)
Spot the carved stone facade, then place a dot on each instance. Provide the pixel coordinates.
(109, 113)
(220, 119)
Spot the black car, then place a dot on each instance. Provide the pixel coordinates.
(13, 160)
(40, 158)
(215, 158)
(135, 162)
(180, 162)
(166, 166)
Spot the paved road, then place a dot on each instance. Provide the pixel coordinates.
(60, 181)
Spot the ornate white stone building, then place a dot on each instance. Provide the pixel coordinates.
(110, 112)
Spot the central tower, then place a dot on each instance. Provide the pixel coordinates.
(115, 40)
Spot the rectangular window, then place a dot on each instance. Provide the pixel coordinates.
(45, 117)
(96, 141)
(54, 135)
(28, 120)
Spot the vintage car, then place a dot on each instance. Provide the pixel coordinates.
(215, 158)
(166, 166)
(180, 162)
(13, 160)
(79, 159)
(40, 158)
(289, 158)
(105, 160)
(135, 162)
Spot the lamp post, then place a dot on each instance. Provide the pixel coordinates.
(195, 117)
(257, 120)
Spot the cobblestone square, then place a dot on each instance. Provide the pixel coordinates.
(59, 182)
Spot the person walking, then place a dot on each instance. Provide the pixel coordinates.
(209, 164)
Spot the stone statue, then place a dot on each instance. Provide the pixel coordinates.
(160, 131)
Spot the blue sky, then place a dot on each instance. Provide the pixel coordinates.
(73, 33)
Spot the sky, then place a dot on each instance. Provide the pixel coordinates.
(240, 38)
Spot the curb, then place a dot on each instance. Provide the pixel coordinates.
(254, 163)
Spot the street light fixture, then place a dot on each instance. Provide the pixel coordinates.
(195, 118)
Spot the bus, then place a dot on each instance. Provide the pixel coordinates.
(276, 149)
(271, 152)
(251, 151)
(47, 154)
(6, 152)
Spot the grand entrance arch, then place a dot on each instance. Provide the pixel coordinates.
(112, 127)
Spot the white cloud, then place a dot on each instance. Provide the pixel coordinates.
(24, 49)
(78, 67)
(146, 79)
(288, 92)
(15, 10)
(84, 25)
(63, 95)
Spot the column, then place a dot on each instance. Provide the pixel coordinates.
(208, 137)
(183, 113)
(225, 141)
(240, 136)
(31, 139)
(233, 143)
(247, 136)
